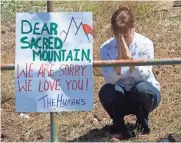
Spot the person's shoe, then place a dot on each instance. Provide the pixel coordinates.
(146, 131)
(117, 131)
(112, 129)
(127, 133)
(142, 127)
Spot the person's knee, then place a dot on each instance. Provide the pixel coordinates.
(143, 94)
(106, 93)
(147, 96)
(140, 90)
(156, 102)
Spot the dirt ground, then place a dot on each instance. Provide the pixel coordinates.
(161, 23)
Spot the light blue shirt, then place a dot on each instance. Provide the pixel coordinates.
(140, 48)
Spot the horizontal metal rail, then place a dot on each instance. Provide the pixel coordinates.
(7, 67)
(113, 63)
(140, 62)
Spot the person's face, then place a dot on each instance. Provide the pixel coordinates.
(128, 37)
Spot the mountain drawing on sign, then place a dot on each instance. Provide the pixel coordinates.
(86, 28)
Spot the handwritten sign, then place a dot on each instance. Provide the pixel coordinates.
(53, 65)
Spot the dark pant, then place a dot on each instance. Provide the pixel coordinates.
(140, 101)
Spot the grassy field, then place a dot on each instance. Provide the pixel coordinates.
(157, 20)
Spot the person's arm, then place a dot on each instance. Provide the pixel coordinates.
(109, 73)
(146, 52)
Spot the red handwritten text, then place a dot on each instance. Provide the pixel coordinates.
(26, 73)
(48, 85)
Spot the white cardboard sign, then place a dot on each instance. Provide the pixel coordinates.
(53, 65)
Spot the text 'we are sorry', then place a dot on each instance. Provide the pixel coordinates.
(51, 70)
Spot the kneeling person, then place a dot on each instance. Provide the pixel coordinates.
(128, 89)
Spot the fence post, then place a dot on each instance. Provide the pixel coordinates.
(53, 131)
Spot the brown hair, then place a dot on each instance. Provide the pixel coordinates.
(122, 20)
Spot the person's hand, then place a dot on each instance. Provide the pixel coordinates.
(120, 56)
(124, 47)
(120, 49)
(123, 53)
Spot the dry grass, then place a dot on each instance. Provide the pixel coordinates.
(157, 20)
